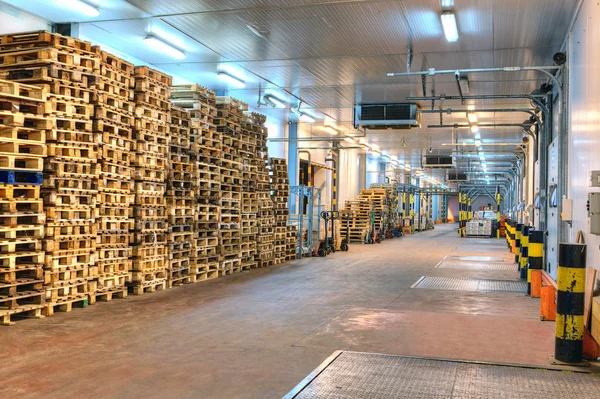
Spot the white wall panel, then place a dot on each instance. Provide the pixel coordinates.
(13, 20)
(584, 142)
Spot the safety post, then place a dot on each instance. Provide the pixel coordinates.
(568, 346)
(517, 243)
(524, 251)
(460, 214)
(535, 262)
(498, 202)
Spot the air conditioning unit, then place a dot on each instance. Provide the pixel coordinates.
(439, 161)
(384, 116)
(457, 176)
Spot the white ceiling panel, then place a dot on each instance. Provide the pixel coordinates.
(54, 11)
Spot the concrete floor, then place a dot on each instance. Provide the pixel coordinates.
(257, 334)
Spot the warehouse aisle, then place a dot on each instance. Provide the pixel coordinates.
(257, 334)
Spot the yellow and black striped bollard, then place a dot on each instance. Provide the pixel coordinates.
(568, 346)
(535, 262)
(517, 244)
(524, 251)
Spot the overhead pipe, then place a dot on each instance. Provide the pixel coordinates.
(459, 126)
(290, 140)
(464, 111)
(432, 72)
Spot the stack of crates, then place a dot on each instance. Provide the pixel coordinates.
(152, 123)
(66, 68)
(205, 144)
(280, 191)
(23, 129)
(181, 191)
(114, 119)
(228, 121)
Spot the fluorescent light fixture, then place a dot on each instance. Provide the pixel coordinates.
(274, 101)
(307, 118)
(231, 79)
(164, 47)
(477, 142)
(471, 107)
(349, 140)
(474, 129)
(449, 25)
(80, 6)
(472, 117)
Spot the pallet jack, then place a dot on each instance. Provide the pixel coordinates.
(374, 236)
(346, 216)
(327, 246)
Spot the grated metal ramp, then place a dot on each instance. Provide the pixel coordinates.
(470, 284)
(474, 265)
(376, 376)
(479, 248)
(476, 258)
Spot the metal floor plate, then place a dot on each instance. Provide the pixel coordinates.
(470, 284)
(479, 248)
(375, 376)
(475, 265)
(476, 258)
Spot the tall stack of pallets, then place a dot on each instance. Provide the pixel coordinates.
(153, 118)
(358, 225)
(66, 68)
(114, 119)
(375, 202)
(181, 191)
(249, 162)
(205, 144)
(280, 191)
(266, 214)
(229, 117)
(23, 129)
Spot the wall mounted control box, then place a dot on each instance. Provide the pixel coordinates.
(567, 210)
(594, 213)
(595, 178)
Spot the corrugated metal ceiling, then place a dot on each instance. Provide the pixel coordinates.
(332, 54)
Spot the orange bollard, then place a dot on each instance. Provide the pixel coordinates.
(536, 283)
(548, 303)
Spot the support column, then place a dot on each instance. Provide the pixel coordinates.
(362, 173)
(293, 166)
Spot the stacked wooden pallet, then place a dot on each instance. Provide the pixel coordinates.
(280, 191)
(358, 225)
(22, 148)
(375, 202)
(229, 116)
(181, 190)
(290, 242)
(66, 68)
(205, 144)
(266, 213)
(114, 119)
(153, 117)
(250, 160)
